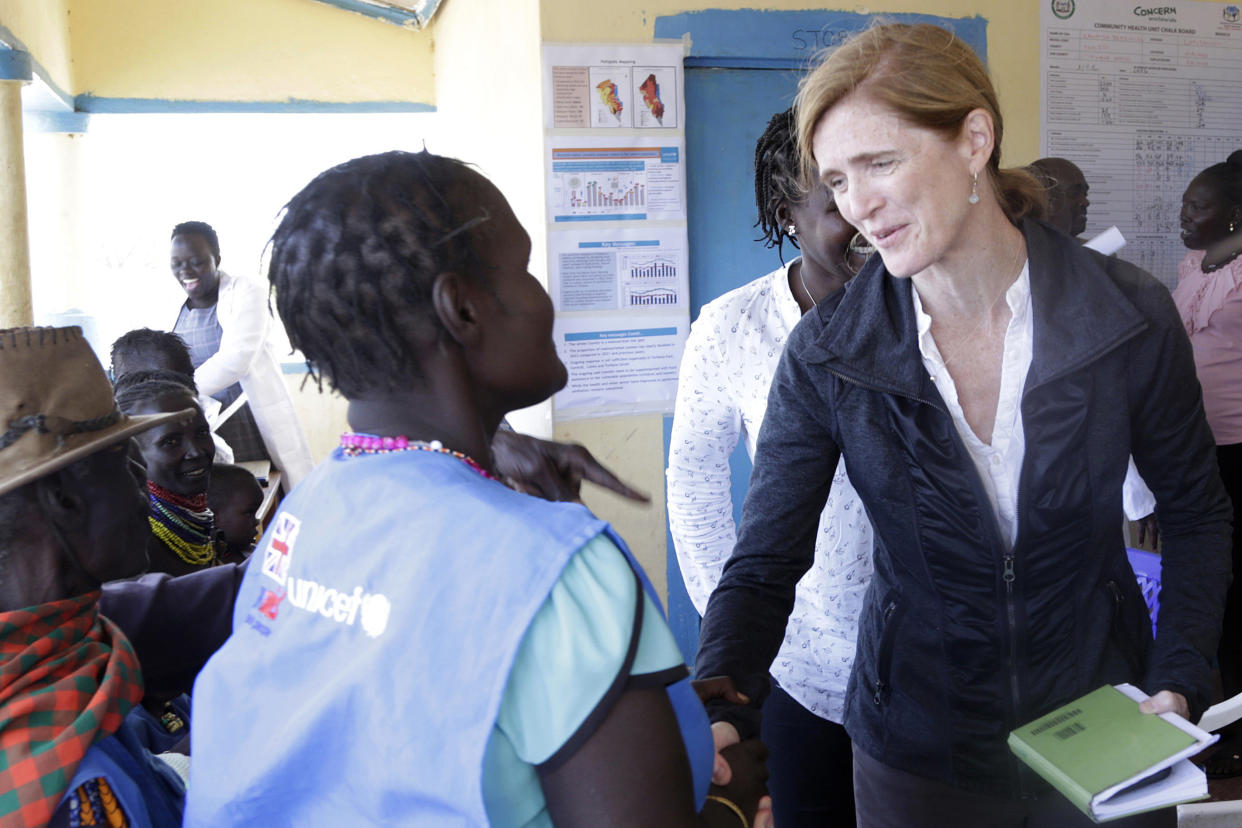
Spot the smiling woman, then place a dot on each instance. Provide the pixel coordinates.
(225, 323)
(177, 456)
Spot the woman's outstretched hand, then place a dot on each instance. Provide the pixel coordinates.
(719, 687)
(553, 471)
(748, 788)
(723, 733)
(739, 774)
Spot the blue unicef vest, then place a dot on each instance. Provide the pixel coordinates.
(372, 640)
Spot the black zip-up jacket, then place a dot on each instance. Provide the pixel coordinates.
(960, 641)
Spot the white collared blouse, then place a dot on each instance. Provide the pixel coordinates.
(731, 355)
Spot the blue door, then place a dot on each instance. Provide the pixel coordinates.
(726, 112)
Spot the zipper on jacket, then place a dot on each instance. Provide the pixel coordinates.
(1011, 615)
(886, 635)
(1011, 618)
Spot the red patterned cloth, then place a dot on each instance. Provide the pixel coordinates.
(68, 677)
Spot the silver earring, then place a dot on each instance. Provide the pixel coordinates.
(791, 230)
(974, 190)
(1233, 225)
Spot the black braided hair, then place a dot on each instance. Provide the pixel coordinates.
(140, 387)
(355, 257)
(777, 177)
(1227, 178)
(199, 228)
(141, 341)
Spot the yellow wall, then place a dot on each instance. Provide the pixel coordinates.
(488, 96)
(42, 26)
(245, 50)
(633, 446)
(321, 414)
(1013, 43)
(233, 50)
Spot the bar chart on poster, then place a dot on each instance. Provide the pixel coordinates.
(618, 268)
(594, 270)
(591, 181)
(1141, 98)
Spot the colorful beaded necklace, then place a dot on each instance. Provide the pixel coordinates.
(354, 444)
(184, 524)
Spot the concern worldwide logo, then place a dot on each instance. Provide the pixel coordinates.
(1063, 9)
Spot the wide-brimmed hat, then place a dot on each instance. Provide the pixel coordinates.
(56, 404)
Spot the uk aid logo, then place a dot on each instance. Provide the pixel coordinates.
(275, 566)
(280, 546)
(345, 607)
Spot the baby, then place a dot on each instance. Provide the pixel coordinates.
(234, 496)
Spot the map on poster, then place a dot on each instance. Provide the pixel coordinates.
(613, 87)
(1141, 97)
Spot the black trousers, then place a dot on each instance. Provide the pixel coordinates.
(890, 798)
(810, 765)
(1229, 654)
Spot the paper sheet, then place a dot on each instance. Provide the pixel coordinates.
(1142, 98)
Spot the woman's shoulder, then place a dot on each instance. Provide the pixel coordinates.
(757, 295)
(230, 284)
(597, 631)
(1139, 286)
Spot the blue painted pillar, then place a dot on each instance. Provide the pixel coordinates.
(16, 308)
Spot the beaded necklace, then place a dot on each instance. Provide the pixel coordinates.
(1212, 268)
(184, 524)
(354, 444)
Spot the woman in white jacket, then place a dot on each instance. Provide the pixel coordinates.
(225, 322)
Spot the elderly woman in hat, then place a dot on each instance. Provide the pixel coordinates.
(72, 515)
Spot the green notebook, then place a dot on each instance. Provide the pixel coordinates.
(1112, 760)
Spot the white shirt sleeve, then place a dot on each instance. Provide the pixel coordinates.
(706, 427)
(243, 316)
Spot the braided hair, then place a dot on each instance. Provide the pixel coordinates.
(199, 228)
(136, 389)
(356, 255)
(140, 342)
(777, 178)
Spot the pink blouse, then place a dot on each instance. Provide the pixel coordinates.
(1211, 309)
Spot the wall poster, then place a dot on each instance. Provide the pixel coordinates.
(614, 138)
(1142, 97)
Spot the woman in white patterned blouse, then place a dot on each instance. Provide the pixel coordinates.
(730, 357)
